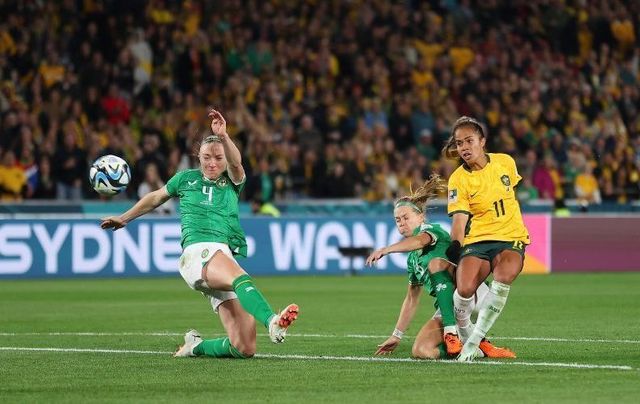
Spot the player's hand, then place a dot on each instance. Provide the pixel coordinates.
(388, 346)
(112, 222)
(218, 123)
(375, 256)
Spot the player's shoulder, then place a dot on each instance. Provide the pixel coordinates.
(424, 227)
(502, 158)
(191, 172)
(182, 178)
(188, 173)
(458, 173)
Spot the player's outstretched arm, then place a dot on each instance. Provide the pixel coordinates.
(145, 205)
(234, 158)
(407, 311)
(405, 245)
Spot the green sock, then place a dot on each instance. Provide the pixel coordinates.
(441, 347)
(443, 285)
(252, 300)
(218, 348)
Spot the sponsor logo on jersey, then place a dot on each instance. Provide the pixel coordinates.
(453, 195)
(205, 253)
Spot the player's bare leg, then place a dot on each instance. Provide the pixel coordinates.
(429, 343)
(239, 325)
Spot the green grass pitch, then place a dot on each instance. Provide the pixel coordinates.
(577, 338)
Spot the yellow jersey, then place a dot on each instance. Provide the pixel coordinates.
(487, 196)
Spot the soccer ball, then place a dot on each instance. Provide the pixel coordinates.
(109, 175)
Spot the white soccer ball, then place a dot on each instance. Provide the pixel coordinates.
(109, 175)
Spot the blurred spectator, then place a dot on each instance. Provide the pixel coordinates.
(115, 106)
(13, 179)
(546, 179)
(261, 183)
(153, 182)
(309, 137)
(426, 147)
(586, 188)
(338, 184)
(46, 185)
(526, 192)
(540, 76)
(70, 169)
(150, 154)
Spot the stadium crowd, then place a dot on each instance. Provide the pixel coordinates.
(328, 99)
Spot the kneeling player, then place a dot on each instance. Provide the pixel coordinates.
(428, 267)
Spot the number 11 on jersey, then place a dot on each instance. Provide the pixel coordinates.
(499, 207)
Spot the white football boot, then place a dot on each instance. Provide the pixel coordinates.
(280, 322)
(191, 340)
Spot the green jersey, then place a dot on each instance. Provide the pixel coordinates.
(208, 209)
(418, 260)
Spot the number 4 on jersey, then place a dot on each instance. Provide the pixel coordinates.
(208, 191)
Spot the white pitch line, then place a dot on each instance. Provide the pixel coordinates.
(481, 362)
(80, 350)
(612, 341)
(361, 336)
(92, 334)
(333, 358)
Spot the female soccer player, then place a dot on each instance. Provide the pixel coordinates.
(211, 236)
(487, 227)
(427, 267)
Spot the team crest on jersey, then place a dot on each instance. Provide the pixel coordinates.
(221, 182)
(506, 181)
(453, 195)
(205, 253)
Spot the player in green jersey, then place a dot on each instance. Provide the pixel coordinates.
(211, 237)
(428, 267)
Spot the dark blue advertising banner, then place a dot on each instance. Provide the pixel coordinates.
(151, 247)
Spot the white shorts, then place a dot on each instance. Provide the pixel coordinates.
(192, 260)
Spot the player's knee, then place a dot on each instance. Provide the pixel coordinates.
(424, 352)
(246, 346)
(465, 290)
(247, 353)
(507, 273)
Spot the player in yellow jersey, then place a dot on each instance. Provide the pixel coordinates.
(487, 227)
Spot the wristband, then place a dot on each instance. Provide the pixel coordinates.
(453, 251)
(397, 333)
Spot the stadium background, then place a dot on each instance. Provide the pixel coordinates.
(338, 107)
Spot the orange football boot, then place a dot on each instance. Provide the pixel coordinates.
(491, 351)
(453, 344)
